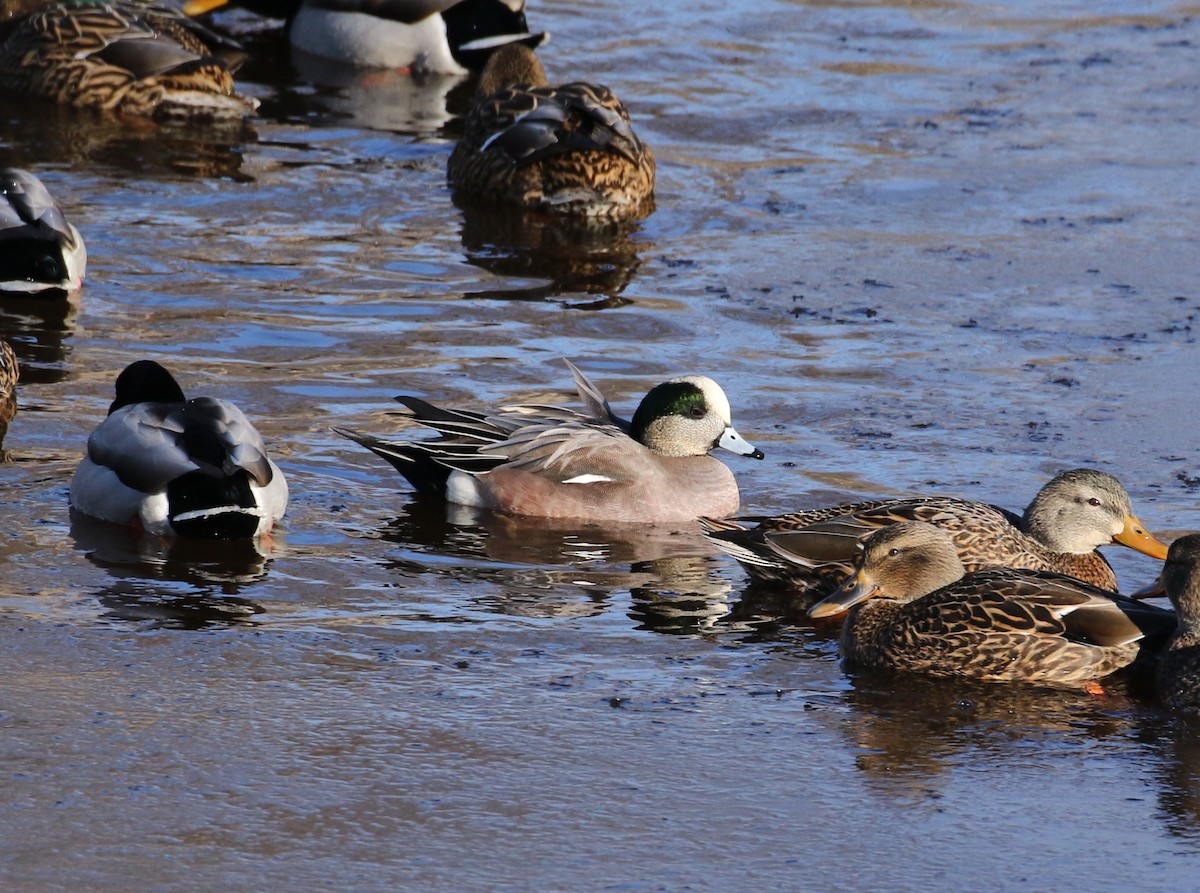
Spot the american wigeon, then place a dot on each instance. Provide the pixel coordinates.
(172, 466)
(129, 58)
(1178, 679)
(552, 462)
(912, 608)
(567, 150)
(39, 250)
(1069, 518)
(434, 36)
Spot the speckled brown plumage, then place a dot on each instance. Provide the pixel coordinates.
(912, 609)
(568, 149)
(128, 58)
(813, 551)
(1179, 667)
(9, 372)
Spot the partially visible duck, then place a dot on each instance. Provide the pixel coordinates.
(912, 608)
(132, 59)
(173, 466)
(39, 250)
(566, 150)
(1070, 517)
(434, 36)
(552, 462)
(9, 372)
(1178, 680)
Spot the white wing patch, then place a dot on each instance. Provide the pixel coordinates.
(588, 479)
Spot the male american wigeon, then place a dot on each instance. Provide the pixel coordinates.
(552, 462)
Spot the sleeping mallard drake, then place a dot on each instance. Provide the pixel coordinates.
(552, 462)
(131, 59)
(566, 150)
(1070, 517)
(912, 608)
(174, 466)
(1178, 681)
(434, 36)
(39, 250)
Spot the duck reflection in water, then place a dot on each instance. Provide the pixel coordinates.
(181, 582)
(591, 257)
(549, 569)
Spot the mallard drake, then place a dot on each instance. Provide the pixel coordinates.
(568, 149)
(434, 36)
(1178, 679)
(1071, 516)
(552, 462)
(175, 466)
(128, 58)
(913, 608)
(9, 372)
(39, 250)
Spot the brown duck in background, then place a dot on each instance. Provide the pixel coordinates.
(1075, 513)
(567, 150)
(128, 58)
(1178, 680)
(9, 372)
(912, 608)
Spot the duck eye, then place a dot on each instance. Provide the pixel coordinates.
(696, 412)
(1094, 501)
(892, 553)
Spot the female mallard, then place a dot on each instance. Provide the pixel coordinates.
(1179, 667)
(9, 371)
(551, 462)
(434, 36)
(39, 250)
(128, 58)
(913, 609)
(175, 466)
(1071, 516)
(568, 149)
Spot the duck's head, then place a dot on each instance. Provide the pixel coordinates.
(688, 416)
(1083, 509)
(901, 562)
(511, 66)
(145, 382)
(1180, 577)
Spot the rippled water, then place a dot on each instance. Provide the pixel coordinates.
(928, 246)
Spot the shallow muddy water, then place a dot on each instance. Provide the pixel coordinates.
(933, 246)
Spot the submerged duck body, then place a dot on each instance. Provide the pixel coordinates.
(429, 36)
(565, 150)
(552, 462)
(173, 466)
(1071, 516)
(913, 609)
(39, 250)
(127, 58)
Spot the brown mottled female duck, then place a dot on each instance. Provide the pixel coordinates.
(132, 59)
(566, 150)
(1179, 667)
(552, 462)
(912, 608)
(9, 371)
(1071, 516)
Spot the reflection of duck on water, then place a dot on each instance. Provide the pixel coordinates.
(41, 253)
(177, 582)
